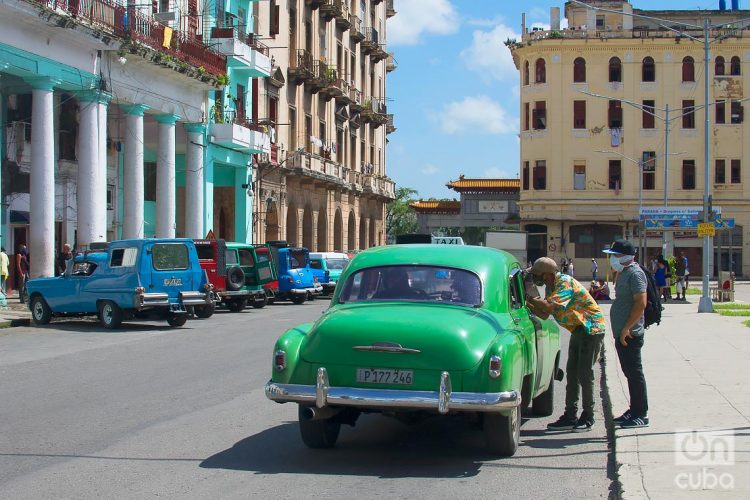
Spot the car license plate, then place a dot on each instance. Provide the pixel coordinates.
(384, 376)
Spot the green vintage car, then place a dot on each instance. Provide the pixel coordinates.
(418, 330)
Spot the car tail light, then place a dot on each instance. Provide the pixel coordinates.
(140, 290)
(496, 365)
(315, 279)
(279, 361)
(290, 280)
(208, 287)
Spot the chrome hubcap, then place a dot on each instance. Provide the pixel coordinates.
(38, 310)
(107, 314)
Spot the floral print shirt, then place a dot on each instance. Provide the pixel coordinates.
(575, 306)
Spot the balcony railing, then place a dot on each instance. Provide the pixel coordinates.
(371, 41)
(301, 68)
(323, 76)
(356, 34)
(234, 117)
(248, 39)
(390, 64)
(355, 96)
(582, 32)
(374, 111)
(330, 8)
(390, 10)
(128, 22)
(390, 127)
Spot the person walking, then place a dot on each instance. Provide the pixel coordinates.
(22, 271)
(64, 259)
(594, 269)
(660, 277)
(573, 308)
(571, 268)
(4, 272)
(626, 316)
(680, 278)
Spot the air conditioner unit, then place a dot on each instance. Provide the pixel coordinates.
(166, 17)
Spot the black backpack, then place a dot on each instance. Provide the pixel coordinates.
(652, 314)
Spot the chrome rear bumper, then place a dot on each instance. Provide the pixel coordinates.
(444, 400)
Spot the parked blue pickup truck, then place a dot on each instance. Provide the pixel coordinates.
(295, 278)
(150, 278)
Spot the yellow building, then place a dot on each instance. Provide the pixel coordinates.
(581, 143)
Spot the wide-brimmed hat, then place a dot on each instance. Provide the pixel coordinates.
(623, 247)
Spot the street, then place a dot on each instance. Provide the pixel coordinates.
(150, 410)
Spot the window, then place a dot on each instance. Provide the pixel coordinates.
(246, 257)
(735, 67)
(540, 73)
(737, 112)
(526, 73)
(540, 175)
(589, 239)
(273, 28)
(526, 113)
(149, 181)
(525, 176)
(170, 256)
(688, 174)
(649, 170)
(720, 172)
(111, 193)
(721, 111)
(579, 70)
(615, 175)
(736, 171)
(688, 69)
(123, 257)
(293, 144)
(540, 115)
(615, 70)
(516, 289)
(649, 120)
(719, 66)
(579, 114)
(614, 114)
(579, 176)
(600, 22)
(688, 114)
(648, 70)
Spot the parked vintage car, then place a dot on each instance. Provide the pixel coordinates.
(149, 278)
(415, 330)
(296, 281)
(237, 274)
(328, 266)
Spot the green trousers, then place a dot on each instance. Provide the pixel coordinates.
(583, 353)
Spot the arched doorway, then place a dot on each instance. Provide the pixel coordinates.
(338, 232)
(322, 232)
(272, 222)
(292, 225)
(372, 240)
(351, 232)
(307, 228)
(362, 232)
(537, 241)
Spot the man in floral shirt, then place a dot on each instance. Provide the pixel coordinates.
(573, 308)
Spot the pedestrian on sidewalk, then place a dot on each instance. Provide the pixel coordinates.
(4, 273)
(594, 269)
(628, 328)
(680, 268)
(22, 271)
(573, 307)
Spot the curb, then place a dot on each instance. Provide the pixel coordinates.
(8, 323)
(613, 466)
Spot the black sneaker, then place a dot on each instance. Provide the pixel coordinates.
(563, 423)
(584, 424)
(635, 423)
(622, 418)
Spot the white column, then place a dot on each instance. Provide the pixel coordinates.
(42, 189)
(166, 217)
(194, 181)
(88, 171)
(132, 218)
(101, 216)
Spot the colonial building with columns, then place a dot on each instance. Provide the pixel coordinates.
(125, 121)
(324, 184)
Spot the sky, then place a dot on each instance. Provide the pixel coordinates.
(455, 93)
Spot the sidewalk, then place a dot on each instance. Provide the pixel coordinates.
(15, 313)
(697, 367)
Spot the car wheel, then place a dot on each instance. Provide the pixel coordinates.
(502, 432)
(543, 404)
(110, 314)
(260, 304)
(40, 311)
(298, 298)
(237, 305)
(320, 433)
(177, 319)
(310, 296)
(205, 312)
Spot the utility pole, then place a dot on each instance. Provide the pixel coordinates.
(705, 304)
(666, 173)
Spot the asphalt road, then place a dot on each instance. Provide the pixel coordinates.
(152, 411)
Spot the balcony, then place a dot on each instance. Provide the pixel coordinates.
(330, 9)
(390, 10)
(344, 19)
(323, 77)
(355, 99)
(265, 160)
(379, 186)
(337, 89)
(390, 64)
(374, 112)
(389, 126)
(232, 130)
(379, 53)
(371, 41)
(317, 169)
(314, 4)
(108, 16)
(244, 51)
(301, 68)
(356, 34)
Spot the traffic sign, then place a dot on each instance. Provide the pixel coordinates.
(706, 229)
(721, 223)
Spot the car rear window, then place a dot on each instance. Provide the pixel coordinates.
(297, 259)
(246, 258)
(413, 283)
(316, 264)
(231, 257)
(170, 256)
(336, 264)
(205, 252)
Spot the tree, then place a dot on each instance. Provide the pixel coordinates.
(400, 218)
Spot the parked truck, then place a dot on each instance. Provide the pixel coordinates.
(513, 242)
(295, 278)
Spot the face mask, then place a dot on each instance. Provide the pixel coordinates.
(619, 263)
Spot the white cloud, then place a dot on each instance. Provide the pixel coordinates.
(430, 169)
(499, 173)
(488, 54)
(418, 17)
(478, 114)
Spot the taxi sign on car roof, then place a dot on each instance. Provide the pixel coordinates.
(447, 240)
